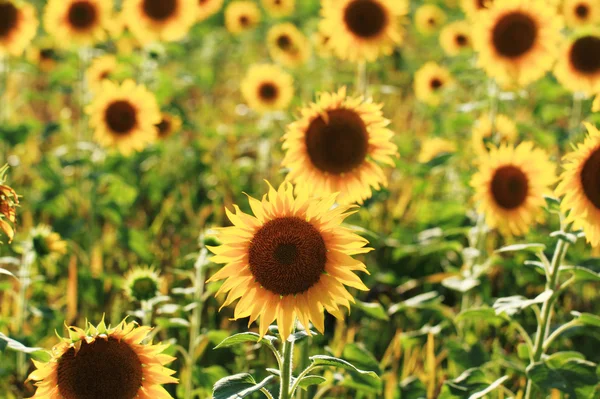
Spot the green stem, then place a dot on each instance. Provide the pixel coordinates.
(559, 331)
(362, 83)
(302, 394)
(146, 313)
(286, 370)
(21, 316)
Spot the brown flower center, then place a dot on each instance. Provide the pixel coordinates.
(284, 42)
(365, 18)
(461, 40)
(287, 256)
(9, 18)
(244, 20)
(105, 368)
(514, 35)
(509, 187)
(590, 178)
(121, 117)
(164, 127)
(436, 83)
(160, 10)
(82, 15)
(481, 4)
(47, 54)
(585, 54)
(339, 143)
(268, 92)
(582, 11)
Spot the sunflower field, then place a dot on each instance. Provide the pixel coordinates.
(300, 199)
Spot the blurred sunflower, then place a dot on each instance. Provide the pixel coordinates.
(159, 20)
(81, 22)
(581, 12)
(168, 125)
(18, 26)
(517, 40)
(579, 185)
(267, 88)
(504, 130)
(142, 284)
(124, 116)
(336, 147)
(456, 38)
(510, 186)
(292, 259)
(44, 56)
(287, 45)
(362, 29)
(430, 81)
(578, 69)
(100, 70)
(429, 18)
(241, 16)
(473, 7)
(103, 362)
(279, 8)
(47, 243)
(434, 147)
(208, 8)
(9, 200)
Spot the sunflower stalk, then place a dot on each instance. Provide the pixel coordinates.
(286, 370)
(362, 79)
(24, 275)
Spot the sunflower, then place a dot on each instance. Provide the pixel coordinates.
(581, 12)
(456, 38)
(18, 26)
(47, 243)
(473, 7)
(579, 185)
(104, 362)
(362, 29)
(159, 20)
(336, 147)
(578, 69)
(241, 16)
(429, 18)
(435, 147)
(43, 55)
(168, 125)
(142, 284)
(81, 22)
(208, 8)
(9, 201)
(279, 8)
(267, 88)
(124, 116)
(430, 81)
(517, 40)
(287, 45)
(100, 70)
(510, 186)
(503, 131)
(290, 260)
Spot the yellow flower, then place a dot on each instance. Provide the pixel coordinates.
(103, 362)
(473, 7)
(44, 55)
(581, 12)
(241, 16)
(124, 116)
(429, 18)
(337, 145)
(279, 8)
(159, 20)
(456, 38)
(430, 82)
(362, 29)
(292, 259)
(267, 88)
(47, 243)
(142, 284)
(208, 8)
(100, 70)
(503, 131)
(287, 45)
(434, 147)
(517, 40)
(579, 186)
(79, 22)
(578, 68)
(168, 126)
(322, 43)
(9, 200)
(18, 26)
(510, 186)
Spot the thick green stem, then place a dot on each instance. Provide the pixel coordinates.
(21, 316)
(286, 370)
(302, 394)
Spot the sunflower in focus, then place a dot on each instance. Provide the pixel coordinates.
(435, 147)
(430, 82)
(510, 186)
(241, 16)
(81, 22)
(279, 8)
(579, 186)
(142, 284)
(124, 116)
(578, 67)
(337, 145)
(292, 259)
(104, 362)
(18, 26)
(287, 45)
(100, 70)
(581, 12)
(208, 8)
(168, 125)
(455, 38)
(429, 18)
(47, 243)
(517, 40)
(473, 7)
(159, 20)
(503, 130)
(267, 88)
(9, 201)
(362, 29)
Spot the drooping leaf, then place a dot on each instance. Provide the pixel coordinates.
(567, 372)
(323, 360)
(373, 309)
(12, 344)
(536, 247)
(309, 380)
(246, 337)
(514, 304)
(238, 386)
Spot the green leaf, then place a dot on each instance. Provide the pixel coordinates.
(374, 309)
(493, 386)
(568, 237)
(416, 302)
(244, 338)
(460, 284)
(563, 371)
(37, 353)
(522, 247)
(6, 272)
(309, 380)
(587, 319)
(523, 351)
(471, 381)
(299, 336)
(552, 203)
(238, 386)
(514, 304)
(323, 361)
(581, 273)
(487, 315)
(358, 355)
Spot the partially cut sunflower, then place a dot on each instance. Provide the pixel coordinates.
(517, 40)
(124, 116)
(362, 29)
(435, 147)
(159, 20)
(473, 7)
(279, 8)
(18, 26)
(455, 38)
(502, 130)
(208, 8)
(267, 88)
(104, 362)
(287, 45)
(241, 16)
(430, 82)
(510, 186)
(429, 18)
(100, 70)
(579, 186)
(168, 125)
(337, 145)
(581, 12)
(292, 259)
(81, 22)
(578, 68)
